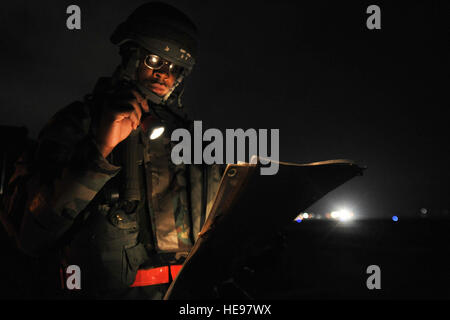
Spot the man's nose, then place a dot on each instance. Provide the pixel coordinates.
(162, 73)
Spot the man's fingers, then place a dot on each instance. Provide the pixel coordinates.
(145, 106)
(129, 122)
(129, 105)
(137, 109)
(141, 100)
(137, 95)
(134, 118)
(132, 108)
(124, 98)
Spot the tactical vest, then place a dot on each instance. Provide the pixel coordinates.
(148, 215)
(176, 199)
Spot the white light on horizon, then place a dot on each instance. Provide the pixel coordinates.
(342, 215)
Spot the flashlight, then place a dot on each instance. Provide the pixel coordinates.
(153, 126)
(156, 132)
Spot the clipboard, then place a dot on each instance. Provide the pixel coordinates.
(247, 207)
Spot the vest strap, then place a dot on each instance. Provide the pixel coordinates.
(160, 275)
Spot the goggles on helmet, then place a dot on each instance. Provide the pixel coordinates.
(155, 62)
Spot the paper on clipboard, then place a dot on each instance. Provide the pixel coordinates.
(248, 206)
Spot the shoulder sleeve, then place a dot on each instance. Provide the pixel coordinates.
(68, 172)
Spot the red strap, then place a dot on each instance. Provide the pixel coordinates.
(174, 270)
(148, 277)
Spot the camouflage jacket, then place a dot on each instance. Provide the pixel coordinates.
(72, 201)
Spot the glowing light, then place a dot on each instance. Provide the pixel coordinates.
(395, 218)
(346, 215)
(156, 133)
(342, 215)
(423, 211)
(305, 216)
(300, 217)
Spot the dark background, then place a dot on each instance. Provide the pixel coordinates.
(312, 69)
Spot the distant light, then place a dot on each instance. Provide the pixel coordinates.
(299, 218)
(345, 215)
(423, 211)
(342, 215)
(305, 216)
(395, 218)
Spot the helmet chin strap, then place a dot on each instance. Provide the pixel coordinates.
(129, 73)
(150, 95)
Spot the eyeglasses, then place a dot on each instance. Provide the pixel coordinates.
(155, 62)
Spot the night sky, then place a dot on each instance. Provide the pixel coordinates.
(335, 89)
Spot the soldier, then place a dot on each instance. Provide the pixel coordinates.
(103, 191)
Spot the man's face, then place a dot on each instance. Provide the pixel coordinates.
(160, 81)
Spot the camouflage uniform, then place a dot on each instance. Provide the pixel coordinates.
(72, 202)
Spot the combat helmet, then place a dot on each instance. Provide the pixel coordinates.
(163, 30)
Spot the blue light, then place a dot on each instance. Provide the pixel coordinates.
(395, 218)
(298, 220)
